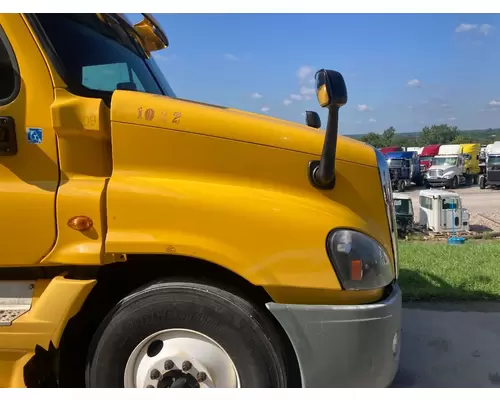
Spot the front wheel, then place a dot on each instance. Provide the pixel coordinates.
(454, 182)
(401, 186)
(186, 335)
(482, 182)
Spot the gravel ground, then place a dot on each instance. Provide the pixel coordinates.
(483, 205)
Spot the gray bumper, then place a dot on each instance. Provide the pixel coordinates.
(344, 346)
(439, 181)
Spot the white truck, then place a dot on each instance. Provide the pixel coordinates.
(447, 168)
(417, 149)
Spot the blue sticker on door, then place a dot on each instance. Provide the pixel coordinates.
(35, 135)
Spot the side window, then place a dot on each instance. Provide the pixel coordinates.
(448, 204)
(109, 77)
(425, 202)
(9, 77)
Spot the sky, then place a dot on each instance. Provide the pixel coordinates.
(401, 70)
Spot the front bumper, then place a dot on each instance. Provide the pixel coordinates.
(439, 181)
(345, 345)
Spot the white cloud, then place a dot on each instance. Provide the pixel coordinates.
(304, 72)
(256, 95)
(312, 81)
(466, 27)
(363, 107)
(307, 97)
(485, 29)
(372, 120)
(287, 102)
(265, 109)
(410, 107)
(494, 103)
(305, 91)
(451, 119)
(414, 83)
(296, 97)
(231, 57)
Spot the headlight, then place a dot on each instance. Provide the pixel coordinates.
(361, 262)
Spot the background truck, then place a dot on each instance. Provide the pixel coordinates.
(471, 151)
(448, 168)
(426, 156)
(143, 246)
(404, 168)
(491, 177)
(385, 150)
(418, 150)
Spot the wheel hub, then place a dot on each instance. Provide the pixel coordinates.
(180, 358)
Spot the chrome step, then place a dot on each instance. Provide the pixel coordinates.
(16, 298)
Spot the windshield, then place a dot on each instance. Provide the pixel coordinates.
(403, 206)
(99, 56)
(392, 162)
(445, 161)
(426, 158)
(494, 160)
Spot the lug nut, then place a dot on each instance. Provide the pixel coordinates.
(155, 374)
(201, 376)
(186, 366)
(169, 364)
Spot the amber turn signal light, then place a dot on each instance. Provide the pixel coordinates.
(80, 223)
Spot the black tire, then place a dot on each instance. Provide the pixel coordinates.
(454, 182)
(482, 182)
(245, 332)
(401, 186)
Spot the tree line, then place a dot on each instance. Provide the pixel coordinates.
(434, 134)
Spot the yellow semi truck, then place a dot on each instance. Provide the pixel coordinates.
(153, 241)
(471, 163)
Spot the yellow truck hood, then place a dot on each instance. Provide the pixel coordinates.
(231, 124)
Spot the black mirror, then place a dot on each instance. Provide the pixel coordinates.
(330, 88)
(313, 120)
(332, 94)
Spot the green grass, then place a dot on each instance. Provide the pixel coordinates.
(437, 271)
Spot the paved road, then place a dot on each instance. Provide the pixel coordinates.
(450, 345)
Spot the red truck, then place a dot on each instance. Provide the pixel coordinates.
(390, 149)
(426, 156)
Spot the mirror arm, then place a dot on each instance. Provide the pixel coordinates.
(322, 173)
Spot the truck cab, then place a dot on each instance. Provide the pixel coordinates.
(471, 153)
(427, 155)
(404, 168)
(491, 177)
(151, 241)
(403, 207)
(389, 149)
(448, 168)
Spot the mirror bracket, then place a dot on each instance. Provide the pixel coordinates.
(313, 170)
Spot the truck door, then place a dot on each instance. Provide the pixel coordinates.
(29, 172)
